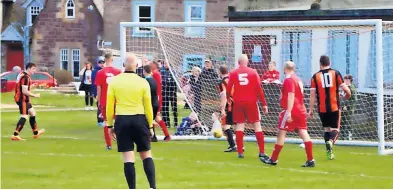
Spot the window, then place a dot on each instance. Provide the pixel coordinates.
(34, 12)
(195, 11)
(343, 51)
(75, 62)
(190, 61)
(70, 9)
(387, 45)
(297, 48)
(64, 59)
(144, 12)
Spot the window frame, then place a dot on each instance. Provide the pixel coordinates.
(190, 31)
(294, 49)
(73, 60)
(64, 56)
(72, 8)
(197, 56)
(332, 52)
(135, 17)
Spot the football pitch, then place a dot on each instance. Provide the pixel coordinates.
(71, 154)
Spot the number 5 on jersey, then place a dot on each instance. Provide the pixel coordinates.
(243, 80)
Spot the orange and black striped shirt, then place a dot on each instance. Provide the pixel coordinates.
(327, 84)
(222, 86)
(24, 80)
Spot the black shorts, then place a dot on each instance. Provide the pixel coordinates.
(132, 129)
(229, 118)
(155, 111)
(331, 119)
(24, 107)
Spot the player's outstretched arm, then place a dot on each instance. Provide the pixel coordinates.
(223, 101)
(261, 93)
(229, 86)
(25, 88)
(110, 106)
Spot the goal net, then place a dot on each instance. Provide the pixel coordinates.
(362, 49)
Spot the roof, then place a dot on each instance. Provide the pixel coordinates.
(28, 2)
(100, 6)
(18, 15)
(318, 14)
(277, 5)
(11, 33)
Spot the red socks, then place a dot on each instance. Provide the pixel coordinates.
(164, 128)
(239, 141)
(276, 152)
(261, 141)
(107, 137)
(308, 147)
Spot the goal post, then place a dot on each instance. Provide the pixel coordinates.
(362, 46)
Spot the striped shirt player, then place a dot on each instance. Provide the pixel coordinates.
(22, 99)
(325, 86)
(226, 108)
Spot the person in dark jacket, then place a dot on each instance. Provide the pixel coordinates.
(97, 67)
(207, 81)
(169, 95)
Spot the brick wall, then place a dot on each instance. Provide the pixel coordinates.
(116, 11)
(52, 31)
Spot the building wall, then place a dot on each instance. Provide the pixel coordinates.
(52, 32)
(117, 11)
(320, 40)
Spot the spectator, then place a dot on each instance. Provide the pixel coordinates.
(194, 87)
(139, 70)
(169, 93)
(272, 75)
(348, 109)
(86, 85)
(207, 80)
(97, 67)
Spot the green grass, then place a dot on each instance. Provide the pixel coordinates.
(71, 155)
(49, 99)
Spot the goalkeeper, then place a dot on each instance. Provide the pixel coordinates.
(134, 120)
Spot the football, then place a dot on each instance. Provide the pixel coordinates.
(217, 133)
(302, 145)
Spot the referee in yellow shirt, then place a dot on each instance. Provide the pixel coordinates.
(134, 119)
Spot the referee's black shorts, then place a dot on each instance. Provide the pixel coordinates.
(132, 129)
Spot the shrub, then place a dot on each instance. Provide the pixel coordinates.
(63, 76)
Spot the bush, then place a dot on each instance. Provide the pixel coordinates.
(63, 76)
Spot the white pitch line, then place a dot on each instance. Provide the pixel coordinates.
(305, 170)
(182, 143)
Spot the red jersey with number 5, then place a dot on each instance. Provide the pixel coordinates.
(293, 84)
(103, 78)
(246, 84)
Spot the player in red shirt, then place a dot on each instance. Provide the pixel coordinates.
(102, 79)
(294, 116)
(246, 84)
(272, 75)
(157, 77)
